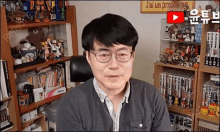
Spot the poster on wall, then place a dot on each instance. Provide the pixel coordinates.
(152, 6)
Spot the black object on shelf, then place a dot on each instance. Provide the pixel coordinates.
(36, 61)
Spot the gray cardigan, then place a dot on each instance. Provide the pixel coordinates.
(81, 109)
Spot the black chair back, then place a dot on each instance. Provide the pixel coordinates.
(80, 70)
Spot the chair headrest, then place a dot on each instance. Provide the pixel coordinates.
(80, 70)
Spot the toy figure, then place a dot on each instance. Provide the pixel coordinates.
(212, 109)
(176, 102)
(192, 38)
(192, 29)
(217, 111)
(183, 103)
(40, 10)
(186, 12)
(199, 11)
(204, 110)
(46, 50)
(209, 8)
(55, 49)
(166, 36)
(60, 42)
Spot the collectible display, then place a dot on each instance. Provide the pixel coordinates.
(177, 88)
(210, 95)
(20, 11)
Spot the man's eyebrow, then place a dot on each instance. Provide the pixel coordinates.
(123, 48)
(103, 49)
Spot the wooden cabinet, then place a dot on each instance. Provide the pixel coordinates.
(201, 76)
(15, 110)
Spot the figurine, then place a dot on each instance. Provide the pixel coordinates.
(200, 11)
(209, 8)
(204, 110)
(176, 102)
(186, 12)
(192, 29)
(192, 38)
(46, 50)
(187, 38)
(166, 36)
(40, 10)
(173, 37)
(212, 109)
(55, 48)
(183, 103)
(217, 111)
(170, 100)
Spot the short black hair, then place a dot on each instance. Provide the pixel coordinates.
(109, 29)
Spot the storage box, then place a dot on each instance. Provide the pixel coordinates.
(25, 117)
(38, 94)
(33, 114)
(53, 92)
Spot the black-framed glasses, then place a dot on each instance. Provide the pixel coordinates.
(105, 56)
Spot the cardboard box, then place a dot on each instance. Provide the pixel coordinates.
(54, 91)
(38, 94)
(25, 117)
(33, 114)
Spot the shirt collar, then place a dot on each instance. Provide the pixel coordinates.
(102, 95)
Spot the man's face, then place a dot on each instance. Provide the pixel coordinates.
(113, 74)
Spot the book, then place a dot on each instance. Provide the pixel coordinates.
(3, 83)
(7, 80)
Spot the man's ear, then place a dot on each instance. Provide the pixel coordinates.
(133, 55)
(88, 57)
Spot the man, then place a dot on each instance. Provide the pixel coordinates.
(112, 100)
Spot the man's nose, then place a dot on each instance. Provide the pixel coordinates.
(113, 63)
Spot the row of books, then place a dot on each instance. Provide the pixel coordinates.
(177, 87)
(5, 123)
(5, 90)
(212, 50)
(211, 92)
(47, 77)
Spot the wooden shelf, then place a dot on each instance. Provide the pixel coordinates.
(42, 64)
(210, 69)
(28, 123)
(180, 110)
(30, 107)
(175, 66)
(182, 42)
(29, 24)
(6, 99)
(208, 118)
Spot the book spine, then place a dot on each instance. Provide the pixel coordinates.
(7, 80)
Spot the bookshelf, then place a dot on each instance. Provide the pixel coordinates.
(204, 75)
(160, 67)
(14, 109)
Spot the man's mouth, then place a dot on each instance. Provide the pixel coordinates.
(113, 76)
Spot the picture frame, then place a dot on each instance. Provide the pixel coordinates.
(149, 6)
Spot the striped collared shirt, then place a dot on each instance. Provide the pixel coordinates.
(104, 98)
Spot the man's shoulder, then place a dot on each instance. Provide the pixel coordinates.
(81, 90)
(143, 87)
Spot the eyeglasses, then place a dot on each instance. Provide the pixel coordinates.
(105, 56)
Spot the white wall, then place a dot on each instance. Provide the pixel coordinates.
(147, 26)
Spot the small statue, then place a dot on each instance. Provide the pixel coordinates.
(187, 38)
(176, 102)
(55, 48)
(204, 110)
(183, 103)
(217, 111)
(46, 50)
(212, 109)
(209, 8)
(166, 36)
(40, 11)
(186, 12)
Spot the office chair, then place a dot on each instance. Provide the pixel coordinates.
(80, 70)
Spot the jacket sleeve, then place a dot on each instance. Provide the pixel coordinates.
(68, 119)
(161, 120)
